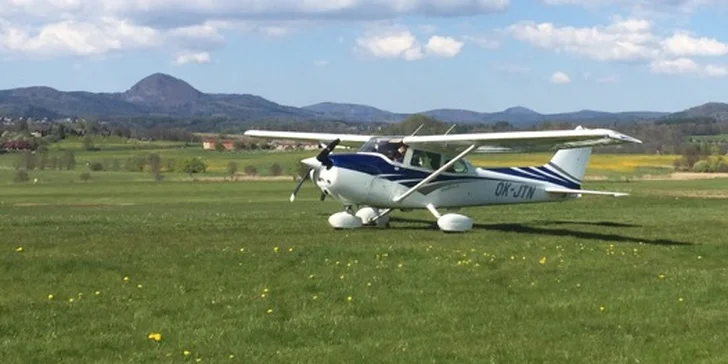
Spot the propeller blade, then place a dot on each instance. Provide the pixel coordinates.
(300, 183)
(323, 196)
(323, 156)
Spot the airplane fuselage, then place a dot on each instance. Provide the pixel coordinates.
(370, 179)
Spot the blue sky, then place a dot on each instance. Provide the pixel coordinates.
(398, 55)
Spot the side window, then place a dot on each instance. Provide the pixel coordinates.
(424, 159)
(459, 167)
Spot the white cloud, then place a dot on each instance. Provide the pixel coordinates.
(682, 44)
(399, 42)
(715, 71)
(443, 46)
(321, 63)
(483, 41)
(560, 78)
(626, 40)
(687, 66)
(682, 5)
(200, 57)
(51, 28)
(623, 40)
(71, 37)
(390, 43)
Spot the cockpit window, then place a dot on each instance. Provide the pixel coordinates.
(393, 149)
(423, 159)
(459, 167)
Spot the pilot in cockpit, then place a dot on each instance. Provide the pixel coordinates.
(399, 154)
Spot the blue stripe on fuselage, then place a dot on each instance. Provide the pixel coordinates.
(542, 178)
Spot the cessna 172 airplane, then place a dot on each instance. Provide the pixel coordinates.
(431, 172)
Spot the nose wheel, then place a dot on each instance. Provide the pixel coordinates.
(369, 216)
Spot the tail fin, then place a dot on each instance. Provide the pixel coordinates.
(570, 164)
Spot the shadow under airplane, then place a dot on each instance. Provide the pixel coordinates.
(529, 228)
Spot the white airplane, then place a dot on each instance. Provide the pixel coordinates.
(430, 172)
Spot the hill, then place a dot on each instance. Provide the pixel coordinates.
(715, 110)
(162, 95)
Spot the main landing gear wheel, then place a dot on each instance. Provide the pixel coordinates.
(454, 223)
(451, 223)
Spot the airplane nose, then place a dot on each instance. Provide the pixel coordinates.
(311, 162)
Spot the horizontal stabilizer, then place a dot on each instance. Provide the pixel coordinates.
(569, 191)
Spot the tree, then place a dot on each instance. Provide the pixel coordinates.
(232, 168)
(70, 160)
(194, 165)
(88, 142)
(250, 170)
(219, 146)
(276, 169)
(155, 165)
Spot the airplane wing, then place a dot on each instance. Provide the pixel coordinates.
(346, 139)
(520, 141)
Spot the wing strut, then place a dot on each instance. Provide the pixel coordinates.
(435, 173)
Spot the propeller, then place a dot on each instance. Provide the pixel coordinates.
(322, 157)
(300, 183)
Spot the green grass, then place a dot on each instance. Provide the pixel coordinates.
(200, 255)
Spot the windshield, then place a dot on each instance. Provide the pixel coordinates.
(389, 147)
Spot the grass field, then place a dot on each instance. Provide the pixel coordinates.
(610, 166)
(233, 272)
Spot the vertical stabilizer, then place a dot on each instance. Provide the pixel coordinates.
(570, 163)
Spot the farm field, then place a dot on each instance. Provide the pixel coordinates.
(117, 152)
(120, 269)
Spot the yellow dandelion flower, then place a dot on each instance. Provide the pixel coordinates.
(198, 360)
(265, 290)
(349, 298)
(680, 299)
(50, 296)
(270, 310)
(342, 277)
(155, 336)
(315, 298)
(661, 276)
(601, 308)
(275, 249)
(263, 295)
(513, 258)
(399, 265)
(97, 293)
(71, 300)
(186, 353)
(19, 249)
(369, 284)
(139, 286)
(231, 356)
(290, 250)
(126, 279)
(311, 276)
(542, 260)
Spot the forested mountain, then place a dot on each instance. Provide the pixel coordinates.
(161, 95)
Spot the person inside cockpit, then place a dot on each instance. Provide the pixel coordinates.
(399, 154)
